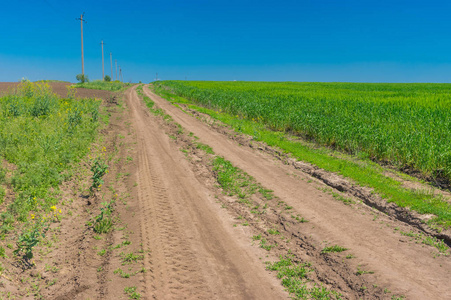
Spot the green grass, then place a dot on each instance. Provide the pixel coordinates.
(294, 278)
(104, 85)
(333, 249)
(363, 171)
(428, 240)
(233, 180)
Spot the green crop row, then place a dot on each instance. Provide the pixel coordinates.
(405, 125)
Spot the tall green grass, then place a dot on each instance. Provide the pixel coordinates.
(103, 85)
(406, 125)
(41, 135)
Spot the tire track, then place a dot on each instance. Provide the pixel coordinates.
(170, 259)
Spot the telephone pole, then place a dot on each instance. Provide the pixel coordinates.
(111, 62)
(115, 61)
(120, 74)
(82, 57)
(103, 64)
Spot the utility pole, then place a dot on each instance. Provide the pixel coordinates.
(120, 73)
(115, 61)
(156, 77)
(111, 62)
(103, 64)
(82, 57)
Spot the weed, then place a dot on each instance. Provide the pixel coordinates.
(130, 258)
(103, 222)
(99, 168)
(273, 231)
(332, 249)
(30, 238)
(294, 279)
(428, 240)
(121, 273)
(257, 237)
(131, 292)
(265, 245)
(362, 272)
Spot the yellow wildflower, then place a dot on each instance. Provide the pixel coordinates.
(32, 216)
(53, 208)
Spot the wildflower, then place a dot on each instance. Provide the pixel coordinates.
(59, 211)
(32, 216)
(53, 208)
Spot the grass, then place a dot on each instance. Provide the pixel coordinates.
(332, 249)
(363, 171)
(129, 258)
(428, 240)
(131, 292)
(233, 180)
(104, 85)
(294, 277)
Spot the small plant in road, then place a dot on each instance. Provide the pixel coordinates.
(99, 168)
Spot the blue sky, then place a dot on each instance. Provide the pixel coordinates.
(355, 41)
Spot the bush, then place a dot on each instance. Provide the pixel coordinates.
(107, 78)
(82, 78)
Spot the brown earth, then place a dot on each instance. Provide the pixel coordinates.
(192, 241)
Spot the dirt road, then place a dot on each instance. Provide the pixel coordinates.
(182, 213)
(194, 254)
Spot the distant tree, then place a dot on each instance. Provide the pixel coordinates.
(82, 78)
(107, 78)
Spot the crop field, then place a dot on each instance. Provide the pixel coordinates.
(406, 125)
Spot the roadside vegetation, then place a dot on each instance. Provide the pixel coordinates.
(267, 112)
(40, 137)
(113, 86)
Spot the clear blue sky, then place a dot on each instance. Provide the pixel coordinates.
(361, 41)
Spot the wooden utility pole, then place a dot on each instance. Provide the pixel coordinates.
(115, 61)
(111, 62)
(103, 64)
(120, 73)
(82, 56)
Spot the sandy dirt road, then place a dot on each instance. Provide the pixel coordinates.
(408, 268)
(193, 252)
